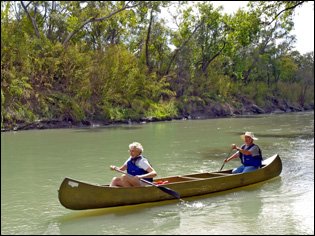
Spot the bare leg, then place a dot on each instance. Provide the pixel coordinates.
(131, 181)
(116, 181)
(125, 181)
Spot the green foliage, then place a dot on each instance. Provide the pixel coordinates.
(124, 90)
(257, 92)
(288, 68)
(116, 77)
(65, 108)
(116, 113)
(119, 113)
(244, 27)
(289, 92)
(294, 92)
(116, 67)
(158, 88)
(162, 110)
(72, 23)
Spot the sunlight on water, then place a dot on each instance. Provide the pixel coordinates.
(193, 205)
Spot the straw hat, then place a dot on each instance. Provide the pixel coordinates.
(249, 134)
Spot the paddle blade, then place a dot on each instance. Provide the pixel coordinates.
(169, 191)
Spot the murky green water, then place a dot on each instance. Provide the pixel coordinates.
(34, 163)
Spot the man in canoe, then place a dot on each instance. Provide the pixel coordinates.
(137, 166)
(249, 153)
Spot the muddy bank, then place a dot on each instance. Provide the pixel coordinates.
(214, 110)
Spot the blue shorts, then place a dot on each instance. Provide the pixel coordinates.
(244, 169)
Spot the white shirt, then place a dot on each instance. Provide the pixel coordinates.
(141, 163)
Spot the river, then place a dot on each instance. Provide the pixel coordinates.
(34, 163)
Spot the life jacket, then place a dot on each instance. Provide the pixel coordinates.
(249, 160)
(133, 169)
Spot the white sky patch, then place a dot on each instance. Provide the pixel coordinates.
(304, 27)
(303, 22)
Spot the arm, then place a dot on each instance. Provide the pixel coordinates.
(122, 168)
(243, 151)
(152, 173)
(235, 155)
(254, 151)
(144, 164)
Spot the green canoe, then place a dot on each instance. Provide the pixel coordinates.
(78, 195)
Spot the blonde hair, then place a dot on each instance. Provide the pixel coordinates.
(136, 145)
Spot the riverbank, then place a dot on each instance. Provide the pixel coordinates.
(215, 110)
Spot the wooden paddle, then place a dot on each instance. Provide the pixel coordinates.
(164, 189)
(225, 159)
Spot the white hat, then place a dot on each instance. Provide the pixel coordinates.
(249, 134)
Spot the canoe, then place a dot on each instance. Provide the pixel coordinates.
(78, 195)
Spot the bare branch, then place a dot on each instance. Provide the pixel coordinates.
(286, 9)
(31, 19)
(94, 19)
(180, 48)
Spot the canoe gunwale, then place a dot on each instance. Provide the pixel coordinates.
(79, 195)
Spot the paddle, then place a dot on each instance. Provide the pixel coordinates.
(225, 159)
(164, 189)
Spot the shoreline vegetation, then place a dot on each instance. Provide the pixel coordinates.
(217, 111)
(96, 63)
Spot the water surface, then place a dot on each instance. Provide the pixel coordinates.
(34, 163)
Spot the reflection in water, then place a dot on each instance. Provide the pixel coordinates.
(113, 220)
(110, 127)
(118, 211)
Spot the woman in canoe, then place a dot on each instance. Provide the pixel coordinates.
(249, 153)
(137, 166)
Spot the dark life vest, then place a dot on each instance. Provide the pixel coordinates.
(134, 170)
(249, 160)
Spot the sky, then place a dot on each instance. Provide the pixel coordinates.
(303, 22)
(304, 28)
